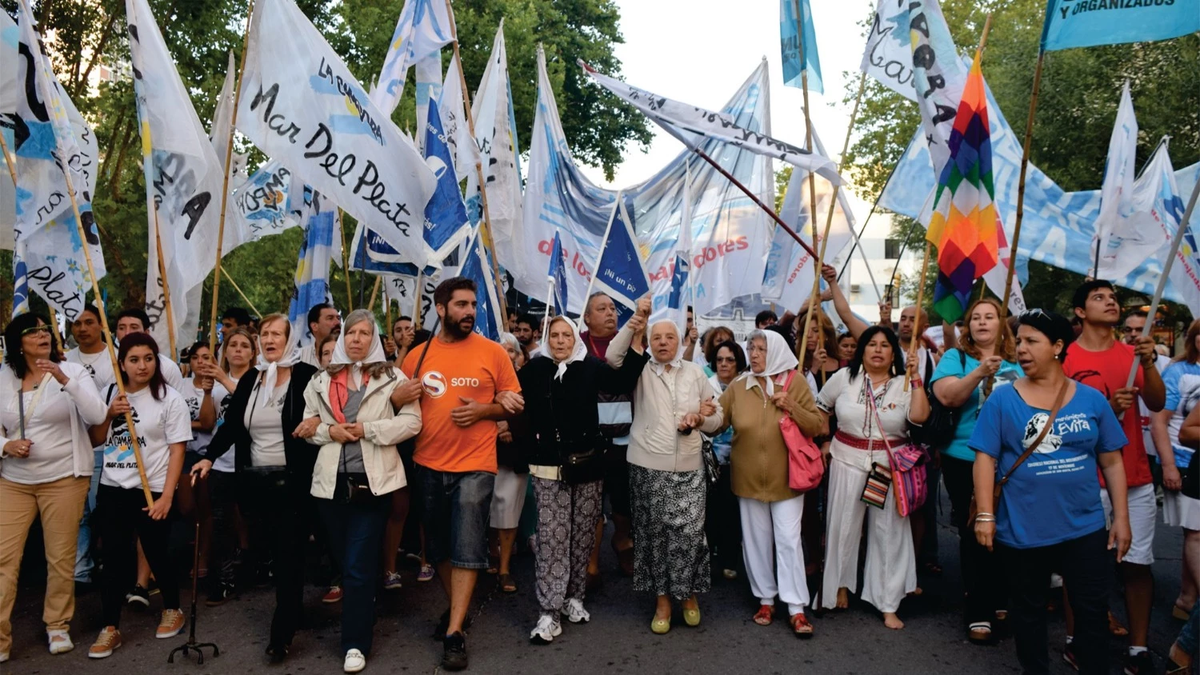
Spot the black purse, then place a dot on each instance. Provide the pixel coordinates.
(712, 468)
(582, 461)
(938, 430)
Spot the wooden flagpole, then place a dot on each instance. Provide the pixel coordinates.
(237, 95)
(240, 293)
(162, 275)
(824, 241)
(486, 225)
(346, 260)
(1012, 249)
(374, 293)
(916, 340)
(416, 315)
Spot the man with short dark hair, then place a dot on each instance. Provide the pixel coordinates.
(765, 318)
(233, 317)
(510, 320)
(529, 332)
(1098, 360)
(92, 353)
(465, 383)
(323, 321)
(135, 320)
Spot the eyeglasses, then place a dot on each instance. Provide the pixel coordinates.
(35, 329)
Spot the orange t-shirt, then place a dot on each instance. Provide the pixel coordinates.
(475, 368)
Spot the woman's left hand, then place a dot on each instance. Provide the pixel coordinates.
(1120, 537)
(781, 401)
(985, 533)
(307, 428)
(48, 366)
(160, 510)
(708, 408)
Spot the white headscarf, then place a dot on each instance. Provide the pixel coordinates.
(578, 352)
(290, 358)
(780, 359)
(376, 355)
(676, 362)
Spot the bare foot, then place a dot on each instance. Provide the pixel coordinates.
(843, 599)
(892, 621)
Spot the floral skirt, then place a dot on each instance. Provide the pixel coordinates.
(670, 551)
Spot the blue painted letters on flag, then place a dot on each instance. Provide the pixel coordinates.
(445, 214)
(620, 273)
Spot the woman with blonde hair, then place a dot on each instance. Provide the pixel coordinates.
(965, 377)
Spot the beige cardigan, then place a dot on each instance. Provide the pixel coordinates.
(382, 430)
(659, 402)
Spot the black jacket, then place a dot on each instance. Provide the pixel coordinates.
(300, 454)
(566, 409)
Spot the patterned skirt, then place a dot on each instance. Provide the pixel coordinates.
(670, 552)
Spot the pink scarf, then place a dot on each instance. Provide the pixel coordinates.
(339, 393)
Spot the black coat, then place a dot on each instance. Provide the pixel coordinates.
(300, 454)
(566, 409)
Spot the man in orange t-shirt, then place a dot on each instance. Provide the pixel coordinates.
(465, 383)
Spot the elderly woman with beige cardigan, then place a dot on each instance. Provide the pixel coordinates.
(666, 474)
(754, 405)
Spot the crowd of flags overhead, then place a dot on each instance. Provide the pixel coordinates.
(683, 236)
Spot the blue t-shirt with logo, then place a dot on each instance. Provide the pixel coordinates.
(1055, 495)
(957, 364)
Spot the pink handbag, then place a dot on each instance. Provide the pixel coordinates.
(805, 466)
(909, 473)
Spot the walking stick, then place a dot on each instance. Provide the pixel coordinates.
(191, 644)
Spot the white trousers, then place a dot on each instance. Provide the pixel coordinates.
(773, 553)
(891, 570)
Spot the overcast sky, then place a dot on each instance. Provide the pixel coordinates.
(700, 52)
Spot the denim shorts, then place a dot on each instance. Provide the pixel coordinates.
(454, 510)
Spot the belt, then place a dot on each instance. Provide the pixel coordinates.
(859, 443)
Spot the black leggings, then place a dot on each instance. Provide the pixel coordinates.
(980, 569)
(273, 503)
(122, 523)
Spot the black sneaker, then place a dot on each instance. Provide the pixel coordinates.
(454, 655)
(138, 596)
(443, 625)
(1140, 664)
(1069, 656)
(219, 594)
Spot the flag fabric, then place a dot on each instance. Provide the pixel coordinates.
(20, 301)
(301, 106)
(691, 124)
(478, 268)
(790, 43)
(1087, 23)
(311, 283)
(445, 215)
(938, 75)
(429, 87)
(421, 31)
(620, 272)
(1158, 189)
(454, 122)
(888, 55)
(41, 127)
(496, 138)
(1117, 246)
(964, 223)
(680, 295)
(222, 123)
(183, 176)
(558, 277)
(262, 205)
(788, 279)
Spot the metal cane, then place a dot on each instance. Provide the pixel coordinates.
(191, 644)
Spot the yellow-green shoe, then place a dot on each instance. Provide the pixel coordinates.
(660, 626)
(691, 616)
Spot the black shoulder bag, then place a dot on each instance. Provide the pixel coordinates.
(938, 430)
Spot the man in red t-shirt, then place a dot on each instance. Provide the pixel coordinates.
(1098, 360)
(465, 383)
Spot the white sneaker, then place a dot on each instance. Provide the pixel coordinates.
(546, 630)
(575, 612)
(60, 641)
(355, 661)
(3, 657)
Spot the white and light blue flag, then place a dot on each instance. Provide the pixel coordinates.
(888, 56)
(1120, 248)
(478, 268)
(311, 283)
(790, 42)
(421, 31)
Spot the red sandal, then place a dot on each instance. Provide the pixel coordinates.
(765, 615)
(801, 626)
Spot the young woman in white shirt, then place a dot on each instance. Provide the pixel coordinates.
(164, 429)
(46, 469)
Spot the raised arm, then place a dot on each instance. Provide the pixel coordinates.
(841, 305)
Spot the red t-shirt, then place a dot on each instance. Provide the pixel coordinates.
(474, 368)
(1107, 371)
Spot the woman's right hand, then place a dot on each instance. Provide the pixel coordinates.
(119, 406)
(989, 366)
(201, 468)
(18, 448)
(985, 534)
(342, 434)
(307, 428)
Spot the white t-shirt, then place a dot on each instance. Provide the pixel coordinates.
(308, 354)
(1161, 363)
(194, 397)
(159, 423)
(264, 423)
(48, 425)
(171, 374)
(224, 463)
(98, 365)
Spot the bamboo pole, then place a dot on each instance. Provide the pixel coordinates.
(1012, 249)
(824, 241)
(416, 316)
(916, 340)
(237, 96)
(374, 293)
(346, 260)
(162, 275)
(240, 293)
(486, 224)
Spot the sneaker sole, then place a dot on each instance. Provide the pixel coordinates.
(576, 620)
(538, 639)
(168, 636)
(144, 602)
(454, 667)
(62, 650)
(103, 655)
(331, 601)
(392, 587)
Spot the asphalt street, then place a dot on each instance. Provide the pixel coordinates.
(617, 640)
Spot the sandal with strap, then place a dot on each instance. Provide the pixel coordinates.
(980, 632)
(765, 615)
(801, 626)
(1115, 628)
(507, 584)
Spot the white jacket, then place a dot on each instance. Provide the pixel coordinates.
(82, 391)
(383, 428)
(659, 403)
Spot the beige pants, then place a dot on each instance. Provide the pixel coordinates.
(60, 505)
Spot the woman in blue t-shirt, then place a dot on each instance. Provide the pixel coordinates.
(1049, 517)
(985, 360)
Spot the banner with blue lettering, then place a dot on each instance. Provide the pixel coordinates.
(1087, 23)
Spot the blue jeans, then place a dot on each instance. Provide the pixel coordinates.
(455, 508)
(355, 538)
(1188, 640)
(83, 546)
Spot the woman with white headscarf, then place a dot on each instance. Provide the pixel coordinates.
(754, 404)
(274, 468)
(560, 385)
(358, 467)
(666, 473)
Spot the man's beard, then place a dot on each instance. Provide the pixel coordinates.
(456, 331)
